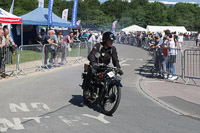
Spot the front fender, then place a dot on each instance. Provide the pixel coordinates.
(116, 82)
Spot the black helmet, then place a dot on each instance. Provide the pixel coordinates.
(108, 36)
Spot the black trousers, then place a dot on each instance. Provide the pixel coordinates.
(88, 78)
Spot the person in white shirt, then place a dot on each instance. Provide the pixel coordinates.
(180, 39)
(92, 41)
(172, 52)
(100, 37)
(198, 40)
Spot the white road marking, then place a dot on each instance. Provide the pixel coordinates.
(154, 81)
(68, 122)
(37, 119)
(123, 61)
(100, 118)
(125, 64)
(5, 124)
(40, 106)
(22, 107)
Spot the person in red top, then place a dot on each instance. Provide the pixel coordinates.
(69, 38)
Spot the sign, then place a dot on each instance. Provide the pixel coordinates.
(74, 13)
(114, 25)
(65, 14)
(78, 22)
(41, 3)
(12, 6)
(50, 9)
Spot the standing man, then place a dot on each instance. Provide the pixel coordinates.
(158, 53)
(10, 45)
(54, 47)
(84, 36)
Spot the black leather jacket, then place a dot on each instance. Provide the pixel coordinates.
(106, 55)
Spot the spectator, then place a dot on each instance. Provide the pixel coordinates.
(2, 62)
(10, 45)
(172, 56)
(198, 42)
(54, 48)
(46, 40)
(180, 39)
(99, 39)
(92, 41)
(61, 46)
(165, 55)
(158, 53)
(84, 36)
(1, 26)
(69, 38)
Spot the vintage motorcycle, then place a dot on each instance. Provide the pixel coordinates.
(104, 89)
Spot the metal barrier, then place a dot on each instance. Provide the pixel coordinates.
(74, 51)
(30, 56)
(54, 56)
(85, 48)
(8, 60)
(192, 64)
(189, 43)
(168, 62)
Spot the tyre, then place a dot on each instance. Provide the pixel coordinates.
(110, 103)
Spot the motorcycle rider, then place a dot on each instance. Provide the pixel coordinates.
(107, 52)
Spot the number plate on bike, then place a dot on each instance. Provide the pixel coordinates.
(111, 74)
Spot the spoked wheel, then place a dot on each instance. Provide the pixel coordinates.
(85, 97)
(111, 102)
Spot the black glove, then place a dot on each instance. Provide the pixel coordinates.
(95, 65)
(120, 72)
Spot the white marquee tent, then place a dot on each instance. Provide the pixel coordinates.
(133, 28)
(178, 29)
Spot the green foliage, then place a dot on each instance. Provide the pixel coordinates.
(140, 12)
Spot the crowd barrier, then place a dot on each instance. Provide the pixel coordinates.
(191, 64)
(29, 57)
(9, 59)
(39, 57)
(186, 64)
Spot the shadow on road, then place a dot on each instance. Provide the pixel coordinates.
(77, 101)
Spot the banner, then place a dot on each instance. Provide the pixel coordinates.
(12, 6)
(65, 14)
(41, 3)
(50, 9)
(78, 22)
(114, 25)
(74, 13)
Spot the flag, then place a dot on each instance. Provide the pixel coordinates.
(41, 3)
(50, 9)
(12, 6)
(74, 13)
(78, 22)
(65, 14)
(114, 25)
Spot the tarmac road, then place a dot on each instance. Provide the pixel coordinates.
(49, 102)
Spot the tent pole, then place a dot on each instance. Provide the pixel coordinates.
(21, 34)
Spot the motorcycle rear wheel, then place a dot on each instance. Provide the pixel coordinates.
(110, 103)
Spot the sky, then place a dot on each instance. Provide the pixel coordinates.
(198, 1)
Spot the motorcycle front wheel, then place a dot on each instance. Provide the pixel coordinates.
(111, 102)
